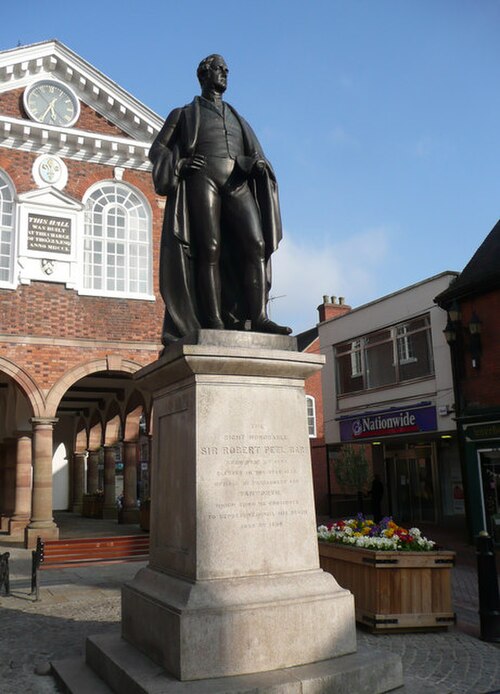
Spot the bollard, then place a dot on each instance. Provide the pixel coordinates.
(4, 572)
(489, 605)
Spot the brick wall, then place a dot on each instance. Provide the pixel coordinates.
(318, 448)
(41, 314)
(11, 103)
(49, 309)
(330, 308)
(481, 386)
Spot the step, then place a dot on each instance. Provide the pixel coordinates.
(128, 671)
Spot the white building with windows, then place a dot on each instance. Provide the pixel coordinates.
(387, 382)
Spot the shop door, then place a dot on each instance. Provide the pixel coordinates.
(412, 485)
(489, 462)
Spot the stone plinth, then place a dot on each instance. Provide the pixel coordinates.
(233, 599)
(234, 584)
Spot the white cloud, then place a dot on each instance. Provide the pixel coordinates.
(303, 272)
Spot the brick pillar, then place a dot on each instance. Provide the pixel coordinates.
(130, 512)
(79, 459)
(2, 475)
(41, 523)
(110, 510)
(9, 483)
(93, 471)
(22, 507)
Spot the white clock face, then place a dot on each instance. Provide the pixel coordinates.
(52, 103)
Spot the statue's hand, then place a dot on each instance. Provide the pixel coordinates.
(259, 167)
(191, 164)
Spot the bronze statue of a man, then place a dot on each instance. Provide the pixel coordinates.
(222, 219)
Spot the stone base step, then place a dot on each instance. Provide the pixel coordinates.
(125, 669)
(73, 672)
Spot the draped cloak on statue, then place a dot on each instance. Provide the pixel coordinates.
(176, 141)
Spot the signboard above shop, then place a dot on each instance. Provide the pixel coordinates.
(393, 422)
(483, 431)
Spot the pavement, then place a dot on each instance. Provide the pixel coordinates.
(80, 601)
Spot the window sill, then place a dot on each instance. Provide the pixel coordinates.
(396, 384)
(116, 295)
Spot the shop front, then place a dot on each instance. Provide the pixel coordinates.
(482, 447)
(417, 461)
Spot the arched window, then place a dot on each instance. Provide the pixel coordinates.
(117, 242)
(6, 230)
(311, 416)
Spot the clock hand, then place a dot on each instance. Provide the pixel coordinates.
(50, 107)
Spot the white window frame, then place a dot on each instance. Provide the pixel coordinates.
(404, 348)
(107, 241)
(6, 184)
(311, 416)
(349, 349)
(356, 358)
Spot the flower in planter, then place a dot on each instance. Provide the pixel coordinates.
(365, 533)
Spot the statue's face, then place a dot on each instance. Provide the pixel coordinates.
(216, 76)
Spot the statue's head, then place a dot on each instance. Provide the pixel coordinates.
(212, 73)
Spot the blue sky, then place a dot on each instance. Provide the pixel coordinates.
(380, 117)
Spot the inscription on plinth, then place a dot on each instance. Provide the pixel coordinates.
(262, 481)
(256, 512)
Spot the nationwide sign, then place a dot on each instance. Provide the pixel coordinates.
(388, 423)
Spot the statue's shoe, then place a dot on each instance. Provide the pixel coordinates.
(269, 326)
(215, 324)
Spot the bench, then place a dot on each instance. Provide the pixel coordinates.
(60, 554)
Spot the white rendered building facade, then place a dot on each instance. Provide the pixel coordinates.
(387, 382)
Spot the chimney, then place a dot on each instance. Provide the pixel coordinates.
(331, 308)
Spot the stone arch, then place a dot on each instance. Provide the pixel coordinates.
(134, 410)
(110, 363)
(81, 436)
(27, 385)
(112, 425)
(96, 429)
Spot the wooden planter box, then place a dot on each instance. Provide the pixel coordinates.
(92, 506)
(394, 590)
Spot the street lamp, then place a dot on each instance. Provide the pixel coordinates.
(475, 346)
(455, 332)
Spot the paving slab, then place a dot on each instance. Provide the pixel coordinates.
(34, 633)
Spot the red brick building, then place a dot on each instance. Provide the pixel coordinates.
(79, 303)
(473, 334)
(308, 341)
